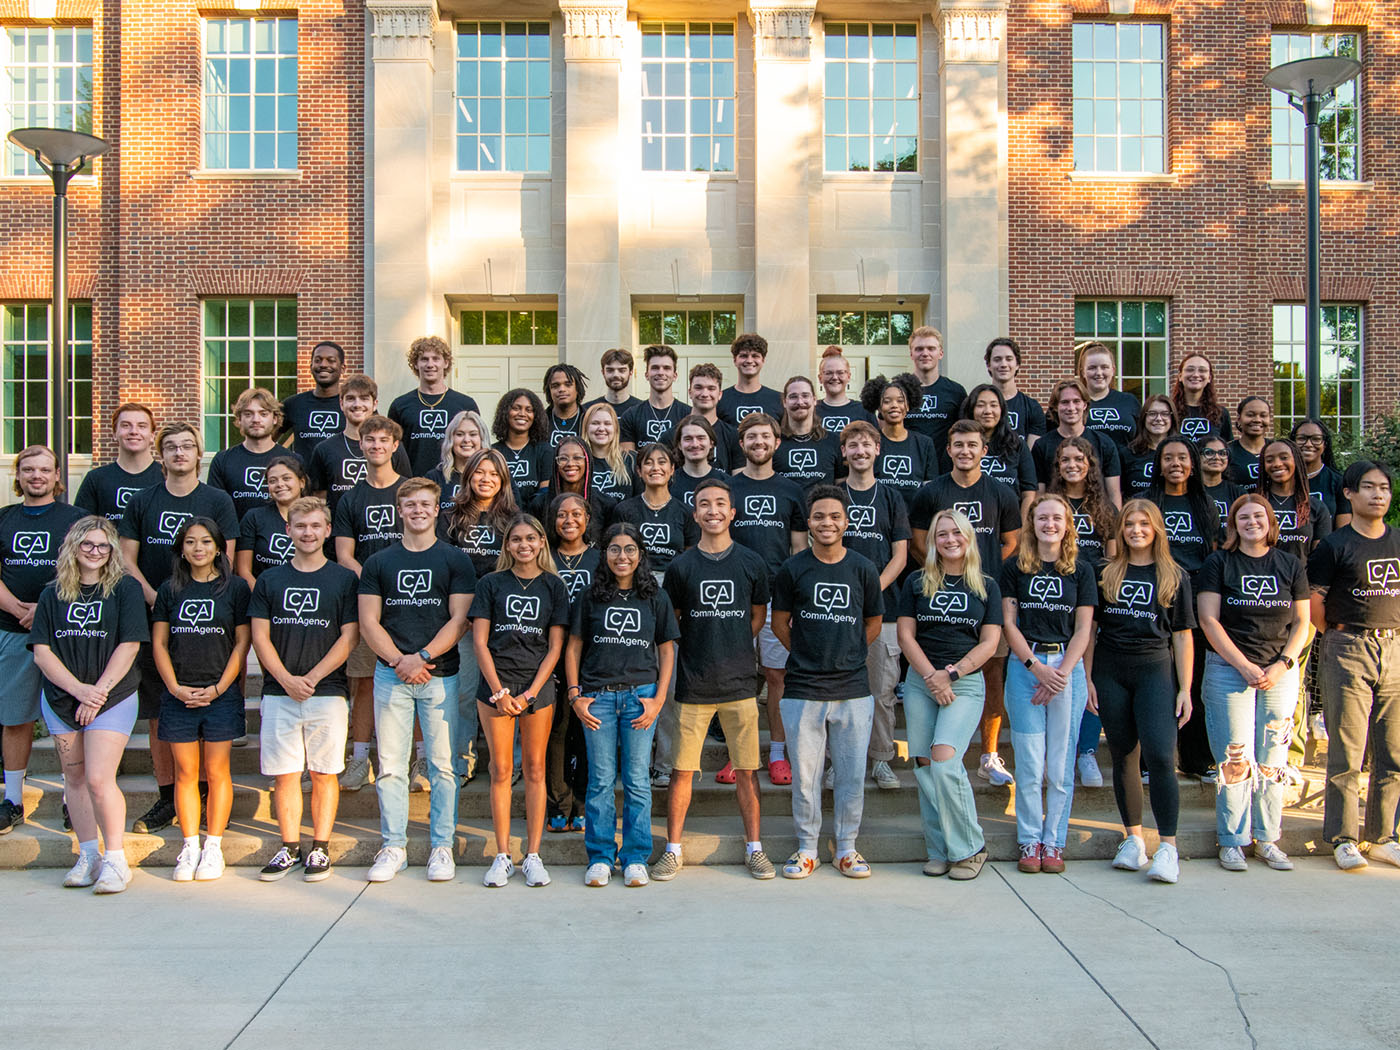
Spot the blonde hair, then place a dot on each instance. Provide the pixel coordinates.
(427, 344)
(933, 575)
(68, 576)
(29, 452)
(612, 454)
(1168, 572)
(263, 397)
(1028, 552)
(447, 460)
(308, 505)
(544, 560)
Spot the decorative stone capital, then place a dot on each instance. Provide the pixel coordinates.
(1122, 8)
(1320, 12)
(972, 32)
(402, 31)
(783, 30)
(593, 30)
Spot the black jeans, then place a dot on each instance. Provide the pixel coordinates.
(566, 761)
(1195, 756)
(1137, 703)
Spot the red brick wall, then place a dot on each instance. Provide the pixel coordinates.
(1219, 242)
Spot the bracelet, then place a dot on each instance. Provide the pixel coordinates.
(496, 696)
(574, 690)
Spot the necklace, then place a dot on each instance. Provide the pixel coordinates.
(524, 584)
(653, 506)
(430, 404)
(851, 494)
(571, 561)
(567, 426)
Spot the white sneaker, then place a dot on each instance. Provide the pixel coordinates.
(84, 873)
(211, 864)
(993, 769)
(1388, 852)
(418, 776)
(186, 863)
(1232, 859)
(1271, 855)
(597, 874)
(536, 874)
(885, 778)
(1317, 726)
(660, 779)
(500, 871)
(829, 779)
(1089, 775)
(1166, 864)
(388, 862)
(441, 866)
(1294, 775)
(357, 774)
(1348, 857)
(635, 875)
(1131, 855)
(113, 878)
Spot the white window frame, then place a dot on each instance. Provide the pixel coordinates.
(875, 69)
(1286, 160)
(282, 383)
(210, 100)
(1150, 384)
(14, 162)
(713, 106)
(80, 392)
(534, 107)
(1094, 105)
(1295, 342)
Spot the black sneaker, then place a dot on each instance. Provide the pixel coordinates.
(283, 861)
(11, 816)
(318, 866)
(156, 819)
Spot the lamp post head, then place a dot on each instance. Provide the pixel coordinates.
(58, 147)
(1312, 76)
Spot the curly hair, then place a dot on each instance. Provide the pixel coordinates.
(539, 427)
(67, 575)
(1096, 502)
(874, 390)
(605, 587)
(427, 344)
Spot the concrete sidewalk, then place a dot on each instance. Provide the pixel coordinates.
(1093, 959)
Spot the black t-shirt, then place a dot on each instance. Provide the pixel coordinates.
(734, 406)
(941, 403)
(598, 510)
(1256, 598)
(264, 532)
(29, 542)
(1091, 541)
(1043, 453)
(1015, 472)
(1136, 624)
(1326, 485)
(337, 466)
(1046, 600)
(1115, 415)
(243, 475)
(876, 519)
(520, 615)
(728, 455)
(1187, 537)
(766, 514)
(311, 419)
(578, 570)
(560, 428)
(603, 484)
(305, 613)
(202, 622)
(618, 410)
(480, 542)
(990, 506)
(1224, 496)
(714, 599)
(1360, 578)
(620, 638)
(645, 423)
(807, 462)
(107, 490)
(84, 634)
(425, 425)
(370, 517)
(836, 418)
(1196, 426)
(1295, 537)
(154, 517)
(829, 606)
(530, 467)
(1025, 416)
(683, 485)
(665, 532)
(905, 465)
(1244, 466)
(949, 625)
(1137, 473)
(450, 487)
(414, 588)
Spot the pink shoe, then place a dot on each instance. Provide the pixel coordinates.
(726, 775)
(779, 771)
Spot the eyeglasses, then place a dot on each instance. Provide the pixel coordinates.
(630, 551)
(1215, 453)
(1310, 439)
(1157, 415)
(95, 548)
(179, 448)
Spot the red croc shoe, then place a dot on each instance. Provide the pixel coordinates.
(726, 775)
(779, 772)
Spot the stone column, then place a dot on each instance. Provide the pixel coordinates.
(974, 182)
(400, 199)
(594, 313)
(783, 136)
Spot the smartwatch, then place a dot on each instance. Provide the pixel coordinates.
(1029, 661)
(1288, 661)
(424, 655)
(953, 675)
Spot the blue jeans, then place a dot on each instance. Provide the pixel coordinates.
(812, 726)
(616, 752)
(1260, 721)
(1044, 737)
(395, 704)
(946, 806)
(464, 731)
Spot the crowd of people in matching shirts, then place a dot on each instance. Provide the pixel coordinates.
(592, 590)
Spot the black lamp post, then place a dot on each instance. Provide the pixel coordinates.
(1309, 84)
(62, 154)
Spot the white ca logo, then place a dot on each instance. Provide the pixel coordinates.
(84, 614)
(1259, 586)
(171, 521)
(381, 517)
(522, 607)
(197, 610)
(414, 582)
(655, 533)
(1136, 592)
(433, 419)
(622, 621)
(323, 422)
(861, 517)
(31, 544)
(802, 458)
(950, 602)
(301, 601)
(971, 511)
(715, 593)
(831, 596)
(279, 545)
(1046, 588)
(760, 506)
(255, 477)
(898, 466)
(1383, 572)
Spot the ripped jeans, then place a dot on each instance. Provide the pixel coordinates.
(1253, 726)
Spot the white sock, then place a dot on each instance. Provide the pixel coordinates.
(674, 847)
(192, 840)
(360, 750)
(777, 750)
(420, 750)
(89, 847)
(214, 842)
(116, 858)
(753, 847)
(810, 854)
(14, 786)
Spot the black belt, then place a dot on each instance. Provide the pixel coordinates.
(1373, 632)
(1050, 648)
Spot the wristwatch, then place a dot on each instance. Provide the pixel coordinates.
(1029, 662)
(953, 675)
(1287, 661)
(424, 655)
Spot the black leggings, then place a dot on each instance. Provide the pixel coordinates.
(565, 761)
(1196, 757)
(1137, 703)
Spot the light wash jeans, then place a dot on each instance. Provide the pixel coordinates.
(1045, 739)
(464, 731)
(946, 806)
(395, 704)
(882, 667)
(617, 752)
(811, 725)
(1261, 722)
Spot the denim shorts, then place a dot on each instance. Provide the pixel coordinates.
(220, 721)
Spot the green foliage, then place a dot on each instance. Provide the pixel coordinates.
(1381, 444)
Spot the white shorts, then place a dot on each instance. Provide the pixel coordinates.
(310, 735)
(771, 653)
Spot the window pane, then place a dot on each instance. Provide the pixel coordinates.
(1339, 124)
(503, 84)
(1113, 66)
(1341, 354)
(250, 87)
(1135, 331)
(877, 65)
(689, 98)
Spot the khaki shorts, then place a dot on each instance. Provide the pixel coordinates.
(361, 662)
(307, 735)
(739, 721)
(771, 652)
